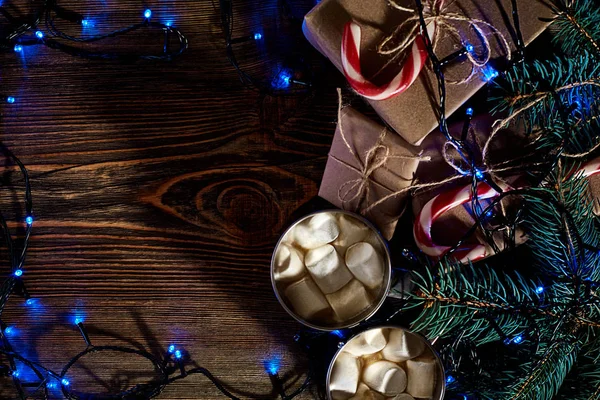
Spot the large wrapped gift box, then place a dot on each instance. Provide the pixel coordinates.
(414, 113)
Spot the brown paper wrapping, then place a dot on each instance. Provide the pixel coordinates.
(594, 191)
(323, 27)
(344, 173)
(451, 227)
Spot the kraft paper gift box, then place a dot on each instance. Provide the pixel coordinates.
(450, 228)
(414, 113)
(367, 170)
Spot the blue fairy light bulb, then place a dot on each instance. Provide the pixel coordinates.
(478, 174)
(172, 349)
(450, 379)
(489, 73)
(87, 23)
(30, 302)
(10, 100)
(169, 24)
(469, 47)
(10, 331)
(272, 365)
(39, 34)
(518, 339)
(539, 289)
(258, 36)
(29, 220)
(469, 112)
(18, 272)
(178, 354)
(16, 374)
(51, 385)
(282, 80)
(18, 48)
(65, 382)
(147, 13)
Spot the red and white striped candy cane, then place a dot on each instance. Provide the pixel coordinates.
(443, 202)
(591, 168)
(435, 208)
(402, 81)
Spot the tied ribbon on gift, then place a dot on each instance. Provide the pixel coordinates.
(446, 22)
(375, 158)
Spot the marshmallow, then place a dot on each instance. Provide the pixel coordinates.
(365, 264)
(327, 268)
(289, 262)
(365, 393)
(306, 298)
(421, 377)
(369, 342)
(402, 346)
(316, 232)
(344, 378)
(352, 231)
(349, 301)
(385, 377)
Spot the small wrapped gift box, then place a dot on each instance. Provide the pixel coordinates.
(325, 25)
(443, 215)
(369, 170)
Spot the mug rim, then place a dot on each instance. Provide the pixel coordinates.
(423, 338)
(387, 264)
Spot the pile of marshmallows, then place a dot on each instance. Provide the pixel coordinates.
(329, 268)
(384, 363)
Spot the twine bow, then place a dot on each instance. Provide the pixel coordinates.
(436, 12)
(375, 158)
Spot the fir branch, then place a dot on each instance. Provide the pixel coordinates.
(466, 298)
(575, 82)
(546, 375)
(583, 382)
(545, 225)
(577, 27)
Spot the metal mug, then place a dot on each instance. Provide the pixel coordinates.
(384, 290)
(439, 390)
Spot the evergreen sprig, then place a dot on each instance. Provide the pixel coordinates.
(544, 376)
(577, 27)
(467, 298)
(537, 93)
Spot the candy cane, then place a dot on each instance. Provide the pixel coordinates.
(446, 201)
(591, 168)
(402, 81)
(435, 208)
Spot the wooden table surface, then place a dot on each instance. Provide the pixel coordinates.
(159, 192)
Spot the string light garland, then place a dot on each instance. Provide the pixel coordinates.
(173, 366)
(53, 37)
(288, 77)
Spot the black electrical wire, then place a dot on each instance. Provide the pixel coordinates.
(293, 85)
(50, 13)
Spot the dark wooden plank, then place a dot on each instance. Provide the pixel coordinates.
(159, 192)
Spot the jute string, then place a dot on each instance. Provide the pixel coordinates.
(378, 156)
(436, 12)
(531, 101)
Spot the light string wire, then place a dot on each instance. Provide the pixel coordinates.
(570, 233)
(49, 14)
(173, 361)
(283, 82)
(54, 38)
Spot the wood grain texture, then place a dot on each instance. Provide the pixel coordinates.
(159, 192)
